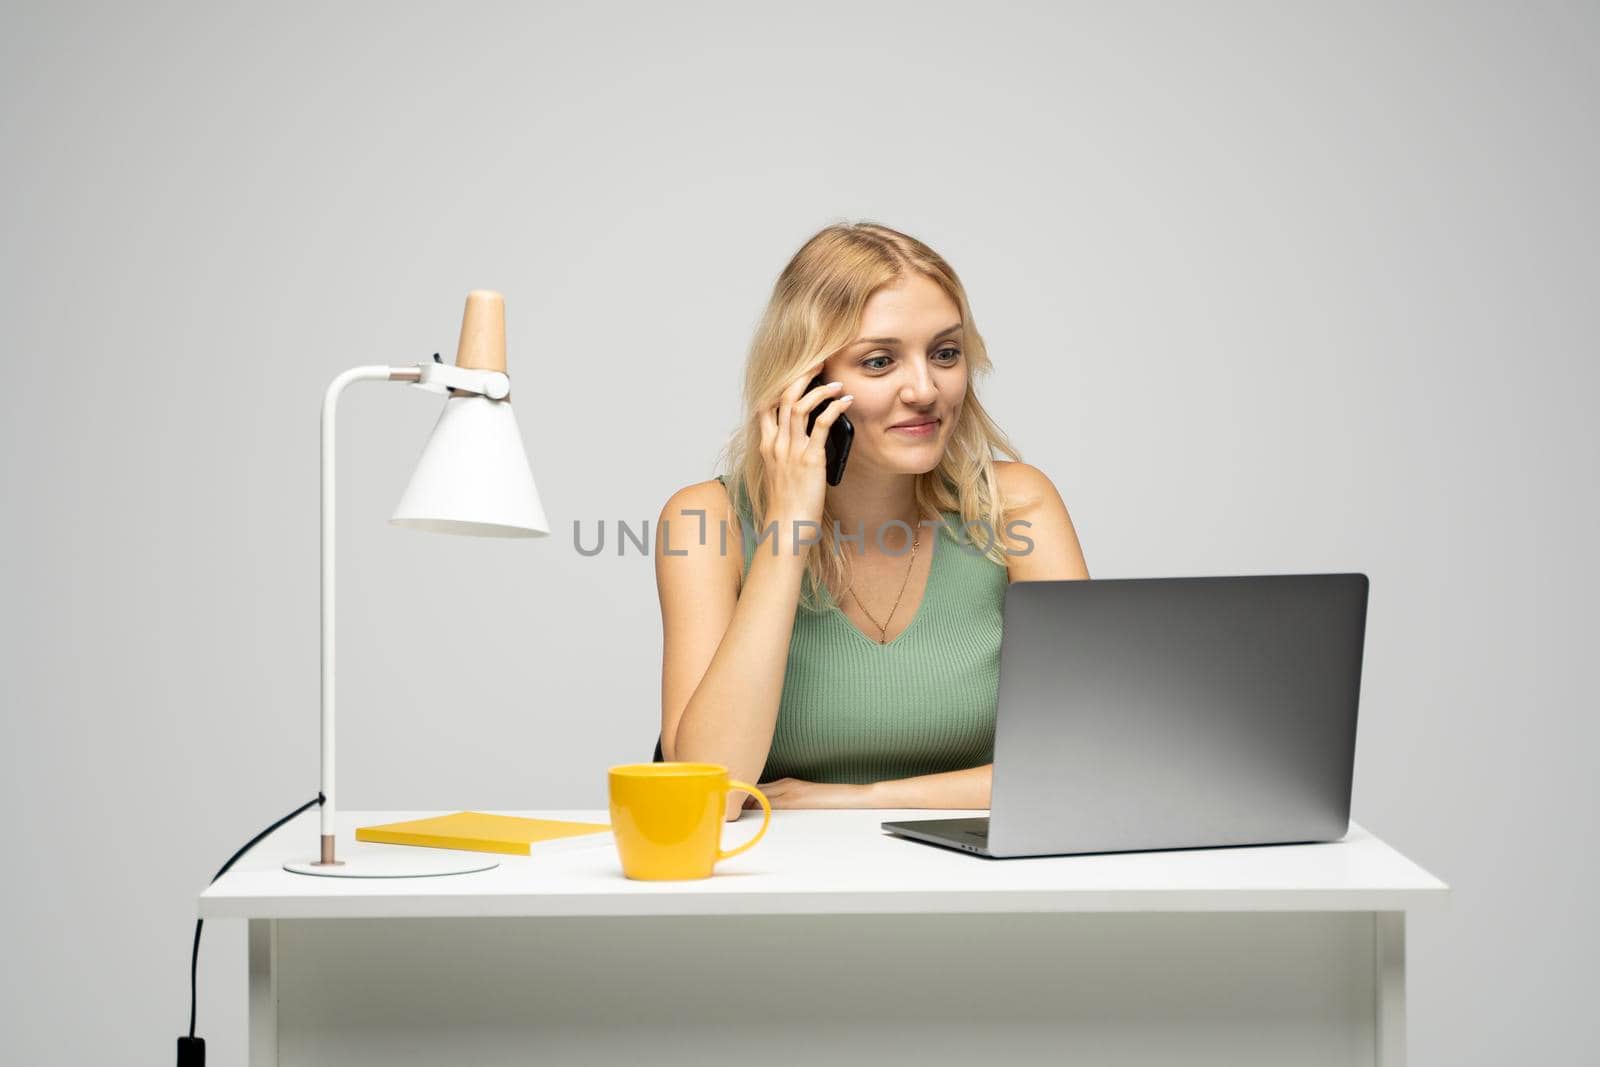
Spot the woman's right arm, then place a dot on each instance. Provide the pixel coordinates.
(725, 649)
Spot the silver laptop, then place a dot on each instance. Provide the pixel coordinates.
(1168, 713)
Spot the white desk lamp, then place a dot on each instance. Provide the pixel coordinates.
(473, 478)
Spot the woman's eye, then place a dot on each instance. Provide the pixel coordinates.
(949, 355)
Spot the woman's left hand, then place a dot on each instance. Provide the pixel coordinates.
(798, 793)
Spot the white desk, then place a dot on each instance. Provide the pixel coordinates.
(832, 942)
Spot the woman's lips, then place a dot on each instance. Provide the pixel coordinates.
(926, 429)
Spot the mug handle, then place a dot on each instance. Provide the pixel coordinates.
(766, 818)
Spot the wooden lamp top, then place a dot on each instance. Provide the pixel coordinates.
(483, 332)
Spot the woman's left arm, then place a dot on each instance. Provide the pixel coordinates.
(950, 789)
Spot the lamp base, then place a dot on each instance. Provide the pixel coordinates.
(396, 861)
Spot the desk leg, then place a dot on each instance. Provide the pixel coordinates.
(1389, 957)
(263, 993)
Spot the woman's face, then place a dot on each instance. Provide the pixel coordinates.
(908, 373)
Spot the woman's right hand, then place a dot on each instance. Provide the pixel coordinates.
(796, 464)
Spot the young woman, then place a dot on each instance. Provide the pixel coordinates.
(839, 645)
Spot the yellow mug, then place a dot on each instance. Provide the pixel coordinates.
(667, 818)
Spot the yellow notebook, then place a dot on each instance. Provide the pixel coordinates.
(478, 832)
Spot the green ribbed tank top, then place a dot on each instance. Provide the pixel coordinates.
(857, 711)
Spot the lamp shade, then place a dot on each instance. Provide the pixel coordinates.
(473, 476)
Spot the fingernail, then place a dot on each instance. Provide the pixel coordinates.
(847, 396)
(835, 385)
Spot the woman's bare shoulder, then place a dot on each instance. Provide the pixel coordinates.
(690, 520)
(1022, 484)
(709, 495)
(1048, 545)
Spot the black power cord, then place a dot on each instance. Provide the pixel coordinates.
(191, 1049)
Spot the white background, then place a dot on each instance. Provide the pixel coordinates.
(1268, 288)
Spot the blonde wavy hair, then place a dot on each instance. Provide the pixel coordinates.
(815, 311)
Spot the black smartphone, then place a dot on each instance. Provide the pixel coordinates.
(840, 434)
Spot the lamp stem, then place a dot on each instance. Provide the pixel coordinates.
(330, 403)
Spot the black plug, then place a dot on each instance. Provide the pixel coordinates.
(191, 1052)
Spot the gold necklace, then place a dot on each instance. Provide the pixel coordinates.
(883, 627)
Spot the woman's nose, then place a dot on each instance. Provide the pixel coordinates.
(918, 389)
